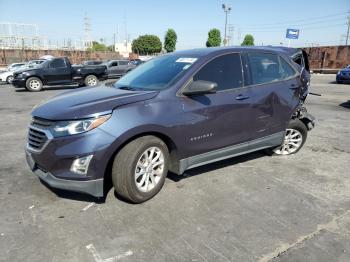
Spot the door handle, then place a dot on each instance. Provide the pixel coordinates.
(241, 97)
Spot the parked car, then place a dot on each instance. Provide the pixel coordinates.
(118, 68)
(136, 62)
(175, 112)
(58, 71)
(92, 62)
(343, 75)
(7, 76)
(34, 63)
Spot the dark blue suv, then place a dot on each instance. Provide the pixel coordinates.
(343, 75)
(175, 112)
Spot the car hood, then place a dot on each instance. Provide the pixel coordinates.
(6, 73)
(345, 70)
(24, 69)
(87, 102)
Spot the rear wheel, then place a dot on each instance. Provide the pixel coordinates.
(294, 139)
(91, 80)
(34, 84)
(140, 168)
(9, 79)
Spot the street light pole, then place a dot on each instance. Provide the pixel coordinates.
(227, 9)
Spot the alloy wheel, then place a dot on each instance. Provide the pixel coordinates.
(149, 169)
(10, 79)
(292, 142)
(91, 81)
(34, 84)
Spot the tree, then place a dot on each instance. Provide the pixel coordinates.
(214, 38)
(146, 44)
(248, 40)
(170, 40)
(96, 46)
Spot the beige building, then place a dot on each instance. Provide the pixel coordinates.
(123, 48)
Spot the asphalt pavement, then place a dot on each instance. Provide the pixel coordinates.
(248, 208)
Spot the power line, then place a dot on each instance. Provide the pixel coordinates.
(302, 24)
(298, 20)
(304, 28)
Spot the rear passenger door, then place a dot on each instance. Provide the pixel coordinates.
(113, 68)
(275, 87)
(123, 67)
(223, 118)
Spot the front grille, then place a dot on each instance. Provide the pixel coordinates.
(40, 122)
(36, 139)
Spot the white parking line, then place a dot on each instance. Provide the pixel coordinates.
(88, 206)
(98, 258)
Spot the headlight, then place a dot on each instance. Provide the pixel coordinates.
(65, 128)
(338, 73)
(23, 74)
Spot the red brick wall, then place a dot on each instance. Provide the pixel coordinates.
(328, 57)
(8, 56)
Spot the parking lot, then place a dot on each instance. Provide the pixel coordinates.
(248, 208)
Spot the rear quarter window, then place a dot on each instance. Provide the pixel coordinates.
(267, 68)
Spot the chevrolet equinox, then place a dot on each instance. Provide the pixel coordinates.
(175, 112)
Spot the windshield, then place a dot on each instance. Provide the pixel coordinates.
(156, 74)
(14, 67)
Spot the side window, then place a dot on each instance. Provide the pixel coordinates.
(225, 70)
(123, 62)
(114, 64)
(299, 60)
(57, 63)
(286, 70)
(267, 68)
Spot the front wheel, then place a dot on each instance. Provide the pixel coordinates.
(34, 84)
(294, 139)
(140, 168)
(9, 79)
(91, 80)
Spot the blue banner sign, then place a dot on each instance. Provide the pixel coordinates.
(292, 33)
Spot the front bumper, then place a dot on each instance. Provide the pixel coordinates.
(91, 187)
(52, 163)
(343, 77)
(19, 82)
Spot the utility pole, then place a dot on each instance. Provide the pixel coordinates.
(230, 34)
(347, 33)
(239, 36)
(227, 9)
(87, 30)
(114, 42)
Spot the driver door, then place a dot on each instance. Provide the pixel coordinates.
(220, 119)
(58, 72)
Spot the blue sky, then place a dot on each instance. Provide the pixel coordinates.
(320, 21)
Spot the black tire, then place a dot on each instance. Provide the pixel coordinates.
(34, 84)
(339, 82)
(9, 79)
(298, 125)
(124, 165)
(91, 80)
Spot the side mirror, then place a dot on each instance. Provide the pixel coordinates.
(200, 87)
